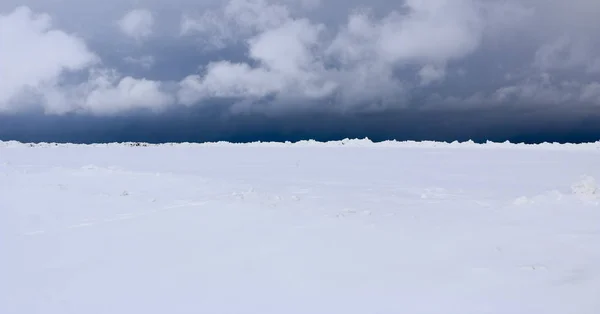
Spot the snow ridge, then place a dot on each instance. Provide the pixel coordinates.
(366, 142)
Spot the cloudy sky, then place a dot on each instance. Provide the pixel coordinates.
(301, 63)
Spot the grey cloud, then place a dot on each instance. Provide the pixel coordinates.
(567, 52)
(137, 24)
(145, 62)
(297, 55)
(591, 93)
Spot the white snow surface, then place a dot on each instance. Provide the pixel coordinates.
(343, 227)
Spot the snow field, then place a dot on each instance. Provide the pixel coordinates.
(300, 228)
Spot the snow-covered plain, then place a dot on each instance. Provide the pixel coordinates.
(344, 227)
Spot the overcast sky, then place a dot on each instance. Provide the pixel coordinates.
(283, 57)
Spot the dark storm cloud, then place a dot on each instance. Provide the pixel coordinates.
(242, 69)
(515, 124)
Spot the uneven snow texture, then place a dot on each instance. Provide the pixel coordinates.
(345, 227)
(346, 142)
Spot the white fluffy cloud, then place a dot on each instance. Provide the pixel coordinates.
(284, 49)
(432, 31)
(106, 92)
(35, 56)
(295, 57)
(137, 24)
(38, 62)
(110, 94)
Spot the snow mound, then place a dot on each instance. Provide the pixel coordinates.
(548, 197)
(585, 187)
